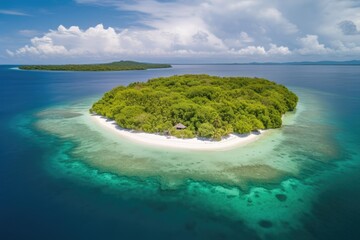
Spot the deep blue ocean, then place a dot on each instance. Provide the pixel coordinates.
(35, 204)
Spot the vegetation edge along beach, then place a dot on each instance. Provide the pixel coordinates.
(113, 66)
(189, 106)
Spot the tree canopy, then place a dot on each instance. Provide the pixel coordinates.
(114, 66)
(209, 106)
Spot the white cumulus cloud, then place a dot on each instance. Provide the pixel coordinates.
(262, 51)
(237, 29)
(252, 50)
(310, 45)
(102, 41)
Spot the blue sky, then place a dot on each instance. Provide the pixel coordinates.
(178, 31)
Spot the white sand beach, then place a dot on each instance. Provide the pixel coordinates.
(232, 141)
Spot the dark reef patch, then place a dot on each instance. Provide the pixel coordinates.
(281, 197)
(265, 223)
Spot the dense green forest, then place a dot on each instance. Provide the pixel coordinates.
(114, 66)
(208, 106)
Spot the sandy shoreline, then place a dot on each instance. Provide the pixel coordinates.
(229, 142)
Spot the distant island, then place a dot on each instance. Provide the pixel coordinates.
(114, 66)
(341, 63)
(204, 106)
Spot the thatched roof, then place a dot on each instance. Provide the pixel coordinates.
(180, 126)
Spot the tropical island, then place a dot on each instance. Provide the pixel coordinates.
(203, 106)
(113, 66)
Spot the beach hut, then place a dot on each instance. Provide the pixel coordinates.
(180, 126)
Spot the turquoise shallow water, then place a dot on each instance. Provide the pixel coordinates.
(267, 185)
(298, 182)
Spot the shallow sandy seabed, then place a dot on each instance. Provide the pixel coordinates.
(302, 143)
